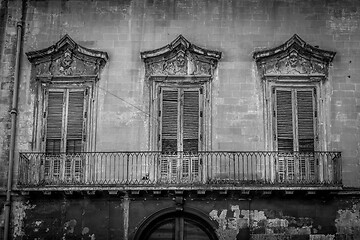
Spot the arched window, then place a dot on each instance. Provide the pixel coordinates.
(176, 225)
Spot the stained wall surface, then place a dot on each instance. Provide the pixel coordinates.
(125, 28)
(237, 217)
(236, 28)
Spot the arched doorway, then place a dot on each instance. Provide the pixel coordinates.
(170, 224)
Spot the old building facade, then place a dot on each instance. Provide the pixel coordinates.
(180, 119)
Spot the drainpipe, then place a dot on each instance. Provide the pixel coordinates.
(13, 113)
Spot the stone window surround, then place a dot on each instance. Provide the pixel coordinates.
(65, 65)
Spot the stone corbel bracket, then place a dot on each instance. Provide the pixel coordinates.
(67, 59)
(294, 58)
(180, 58)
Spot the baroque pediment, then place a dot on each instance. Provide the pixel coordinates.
(180, 58)
(294, 57)
(67, 58)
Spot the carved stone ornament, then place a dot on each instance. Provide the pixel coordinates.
(180, 58)
(67, 59)
(294, 57)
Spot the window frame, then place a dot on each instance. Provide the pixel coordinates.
(295, 119)
(294, 82)
(45, 85)
(171, 82)
(64, 117)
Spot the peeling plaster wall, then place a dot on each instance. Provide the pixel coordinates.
(348, 220)
(62, 217)
(287, 218)
(237, 29)
(103, 216)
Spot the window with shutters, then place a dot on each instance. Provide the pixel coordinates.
(65, 116)
(180, 132)
(180, 120)
(64, 76)
(179, 76)
(295, 132)
(64, 132)
(294, 78)
(295, 117)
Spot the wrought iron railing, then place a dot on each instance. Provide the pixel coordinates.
(156, 168)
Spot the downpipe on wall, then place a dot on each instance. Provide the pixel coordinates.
(13, 112)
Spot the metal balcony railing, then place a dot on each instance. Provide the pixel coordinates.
(158, 169)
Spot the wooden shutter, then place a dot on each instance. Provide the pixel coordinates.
(305, 119)
(306, 134)
(295, 113)
(191, 121)
(54, 122)
(169, 123)
(75, 122)
(284, 120)
(74, 135)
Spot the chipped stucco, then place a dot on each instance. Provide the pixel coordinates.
(348, 221)
(263, 223)
(19, 214)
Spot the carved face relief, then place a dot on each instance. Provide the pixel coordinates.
(293, 59)
(65, 63)
(180, 61)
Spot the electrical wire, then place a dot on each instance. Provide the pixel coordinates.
(120, 98)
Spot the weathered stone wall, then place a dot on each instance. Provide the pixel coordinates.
(236, 28)
(103, 216)
(68, 217)
(10, 14)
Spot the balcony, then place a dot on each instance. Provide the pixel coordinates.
(203, 170)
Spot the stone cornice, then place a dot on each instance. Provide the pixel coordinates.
(67, 58)
(180, 58)
(294, 57)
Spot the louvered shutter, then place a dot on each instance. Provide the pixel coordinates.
(74, 137)
(191, 121)
(169, 121)
(284, 120)
(305, 112)
(75, 122)
(54, 122)
(306, 133)
(285, 134)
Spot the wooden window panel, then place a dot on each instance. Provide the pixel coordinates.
(180, 114)
(305, 120)
(75, 122)
(65, 132)
(295, 131)
(65, 121)
(294, 120)
(191, 121)
(169, 121)
(54, 123)
(284, 120)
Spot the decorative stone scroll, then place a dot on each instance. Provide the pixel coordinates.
(180, 58)
(294, 57)
(67, 59)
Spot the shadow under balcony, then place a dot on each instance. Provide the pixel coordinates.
(223, 170)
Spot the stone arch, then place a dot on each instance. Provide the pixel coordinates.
(156, 220)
